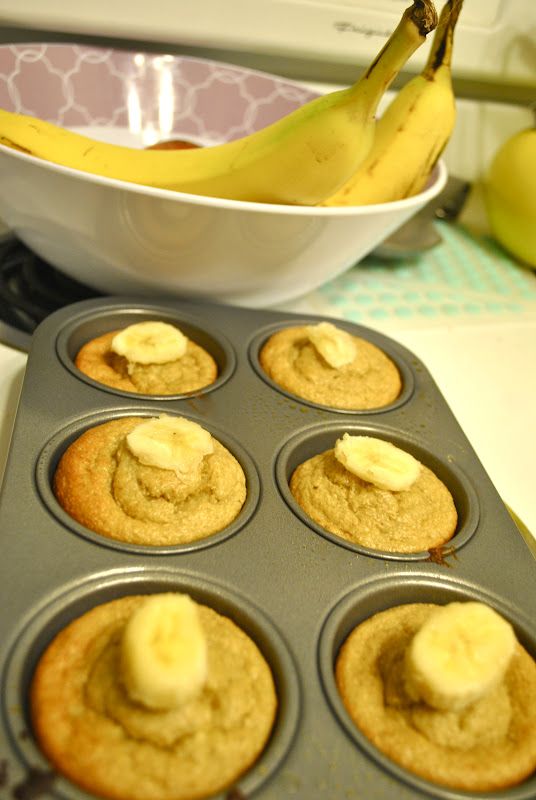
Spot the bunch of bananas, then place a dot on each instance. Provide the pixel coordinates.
(315, 155)
(413, 131)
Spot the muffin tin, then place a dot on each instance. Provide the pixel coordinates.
(295, 588)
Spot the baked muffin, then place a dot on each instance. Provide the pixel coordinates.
(158, 481)
(447, 692)
(371, 493)
(327, 365)
(152, 698)
(147, 358)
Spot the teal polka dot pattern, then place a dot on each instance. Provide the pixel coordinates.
(466, 276)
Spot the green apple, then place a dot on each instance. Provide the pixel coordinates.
(510, 195)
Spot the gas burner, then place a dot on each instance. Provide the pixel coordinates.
(30, 290)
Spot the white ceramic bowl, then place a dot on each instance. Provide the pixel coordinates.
(119, 237)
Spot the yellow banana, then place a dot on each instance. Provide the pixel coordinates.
(412, 133)
(300, 159)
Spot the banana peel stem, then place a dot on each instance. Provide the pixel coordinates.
(424, 16)
(417, 21)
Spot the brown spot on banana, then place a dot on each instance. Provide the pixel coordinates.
(419, 180)
(441, 51)
(9, 143)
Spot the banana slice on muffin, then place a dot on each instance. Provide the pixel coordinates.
(149, 343)
(446, 692)
(150, 357)
(459, 654)
(158, 481)
(164, 652)
(336, 346)
(171, 443)
(377, 461)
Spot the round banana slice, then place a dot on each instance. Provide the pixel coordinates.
(173, 443)
(150, 343)
(164, 652)
(336, 346)
(461, 652)
(378, 462)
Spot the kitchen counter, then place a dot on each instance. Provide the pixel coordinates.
(467, 311)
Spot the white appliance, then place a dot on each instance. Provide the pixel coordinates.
(483, 364)
(493, 36)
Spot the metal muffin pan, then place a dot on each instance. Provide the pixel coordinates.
(296, 589)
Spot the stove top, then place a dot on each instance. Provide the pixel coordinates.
(30, 290)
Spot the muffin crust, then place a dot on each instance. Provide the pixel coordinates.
(104, 487)
(109, 745)
(411, 521)
(488, 746)
(195, 370)
(371, 380)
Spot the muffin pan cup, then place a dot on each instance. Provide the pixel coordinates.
(296, 589)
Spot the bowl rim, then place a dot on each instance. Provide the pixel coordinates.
(435, 184)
